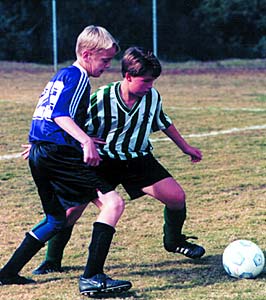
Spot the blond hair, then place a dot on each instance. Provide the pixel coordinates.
(95, 38)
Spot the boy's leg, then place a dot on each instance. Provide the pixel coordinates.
(93, 280)
(54, 252)
(174, 240)
(169, 192)
(172, 228)
(32, 243)
(57, 244)
(102, 236)
(112, 207)
(27, 249)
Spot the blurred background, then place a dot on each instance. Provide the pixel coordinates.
(186, 30)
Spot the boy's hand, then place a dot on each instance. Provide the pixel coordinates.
(26, 152)
(90, 156)
(195, 154)
(90, 153)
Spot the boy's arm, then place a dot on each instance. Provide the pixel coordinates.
(26, 152)
(90, 153)
(176, 137)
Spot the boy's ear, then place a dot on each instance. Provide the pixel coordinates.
(86, 55)
(128, 76)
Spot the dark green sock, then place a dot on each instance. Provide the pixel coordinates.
(57, 244)
(172, 229)
(101, 239)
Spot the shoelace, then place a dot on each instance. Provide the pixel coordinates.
(189, 237)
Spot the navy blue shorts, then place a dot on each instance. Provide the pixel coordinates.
(133, 174)
(62, 178)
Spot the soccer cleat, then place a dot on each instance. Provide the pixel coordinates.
(47, 267)
(15, 279)
(188, 249)
(102, 284)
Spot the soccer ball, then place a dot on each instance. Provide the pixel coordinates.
(243, 259)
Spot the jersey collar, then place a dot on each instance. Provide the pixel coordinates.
(121, 102)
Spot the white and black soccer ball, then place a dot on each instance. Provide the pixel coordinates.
(243, 259)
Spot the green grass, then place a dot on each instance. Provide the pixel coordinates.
(225, 192)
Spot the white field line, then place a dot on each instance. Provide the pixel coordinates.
(247, 109)
(10, 156)
(197, 135)
(215, 133)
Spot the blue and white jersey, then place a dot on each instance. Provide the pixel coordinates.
(67, 94)
(125, 130)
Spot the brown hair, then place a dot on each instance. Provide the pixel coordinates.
(138, 61)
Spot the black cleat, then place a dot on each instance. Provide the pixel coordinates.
(47, 267)
(102, 284)
(188, 249)
(15, 279)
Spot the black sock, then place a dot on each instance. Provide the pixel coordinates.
(57, 244)
(173, 223)
(102, 236)
(27, 249)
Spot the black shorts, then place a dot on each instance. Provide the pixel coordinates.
(133, 174)
(62, 178)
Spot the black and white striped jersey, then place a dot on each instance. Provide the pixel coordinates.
(125, 130)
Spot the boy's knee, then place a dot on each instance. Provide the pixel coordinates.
(182, 197)
(49, 227)
(178, 201)
(112, 203)
(74, 213)
(117, 204)
(55, 224)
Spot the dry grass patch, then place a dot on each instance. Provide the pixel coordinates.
(225, 192)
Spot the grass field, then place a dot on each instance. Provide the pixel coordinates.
(218, 107)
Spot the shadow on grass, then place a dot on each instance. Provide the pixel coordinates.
(179, 274)
(124, 295)
(184, 273)
(198, 273)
